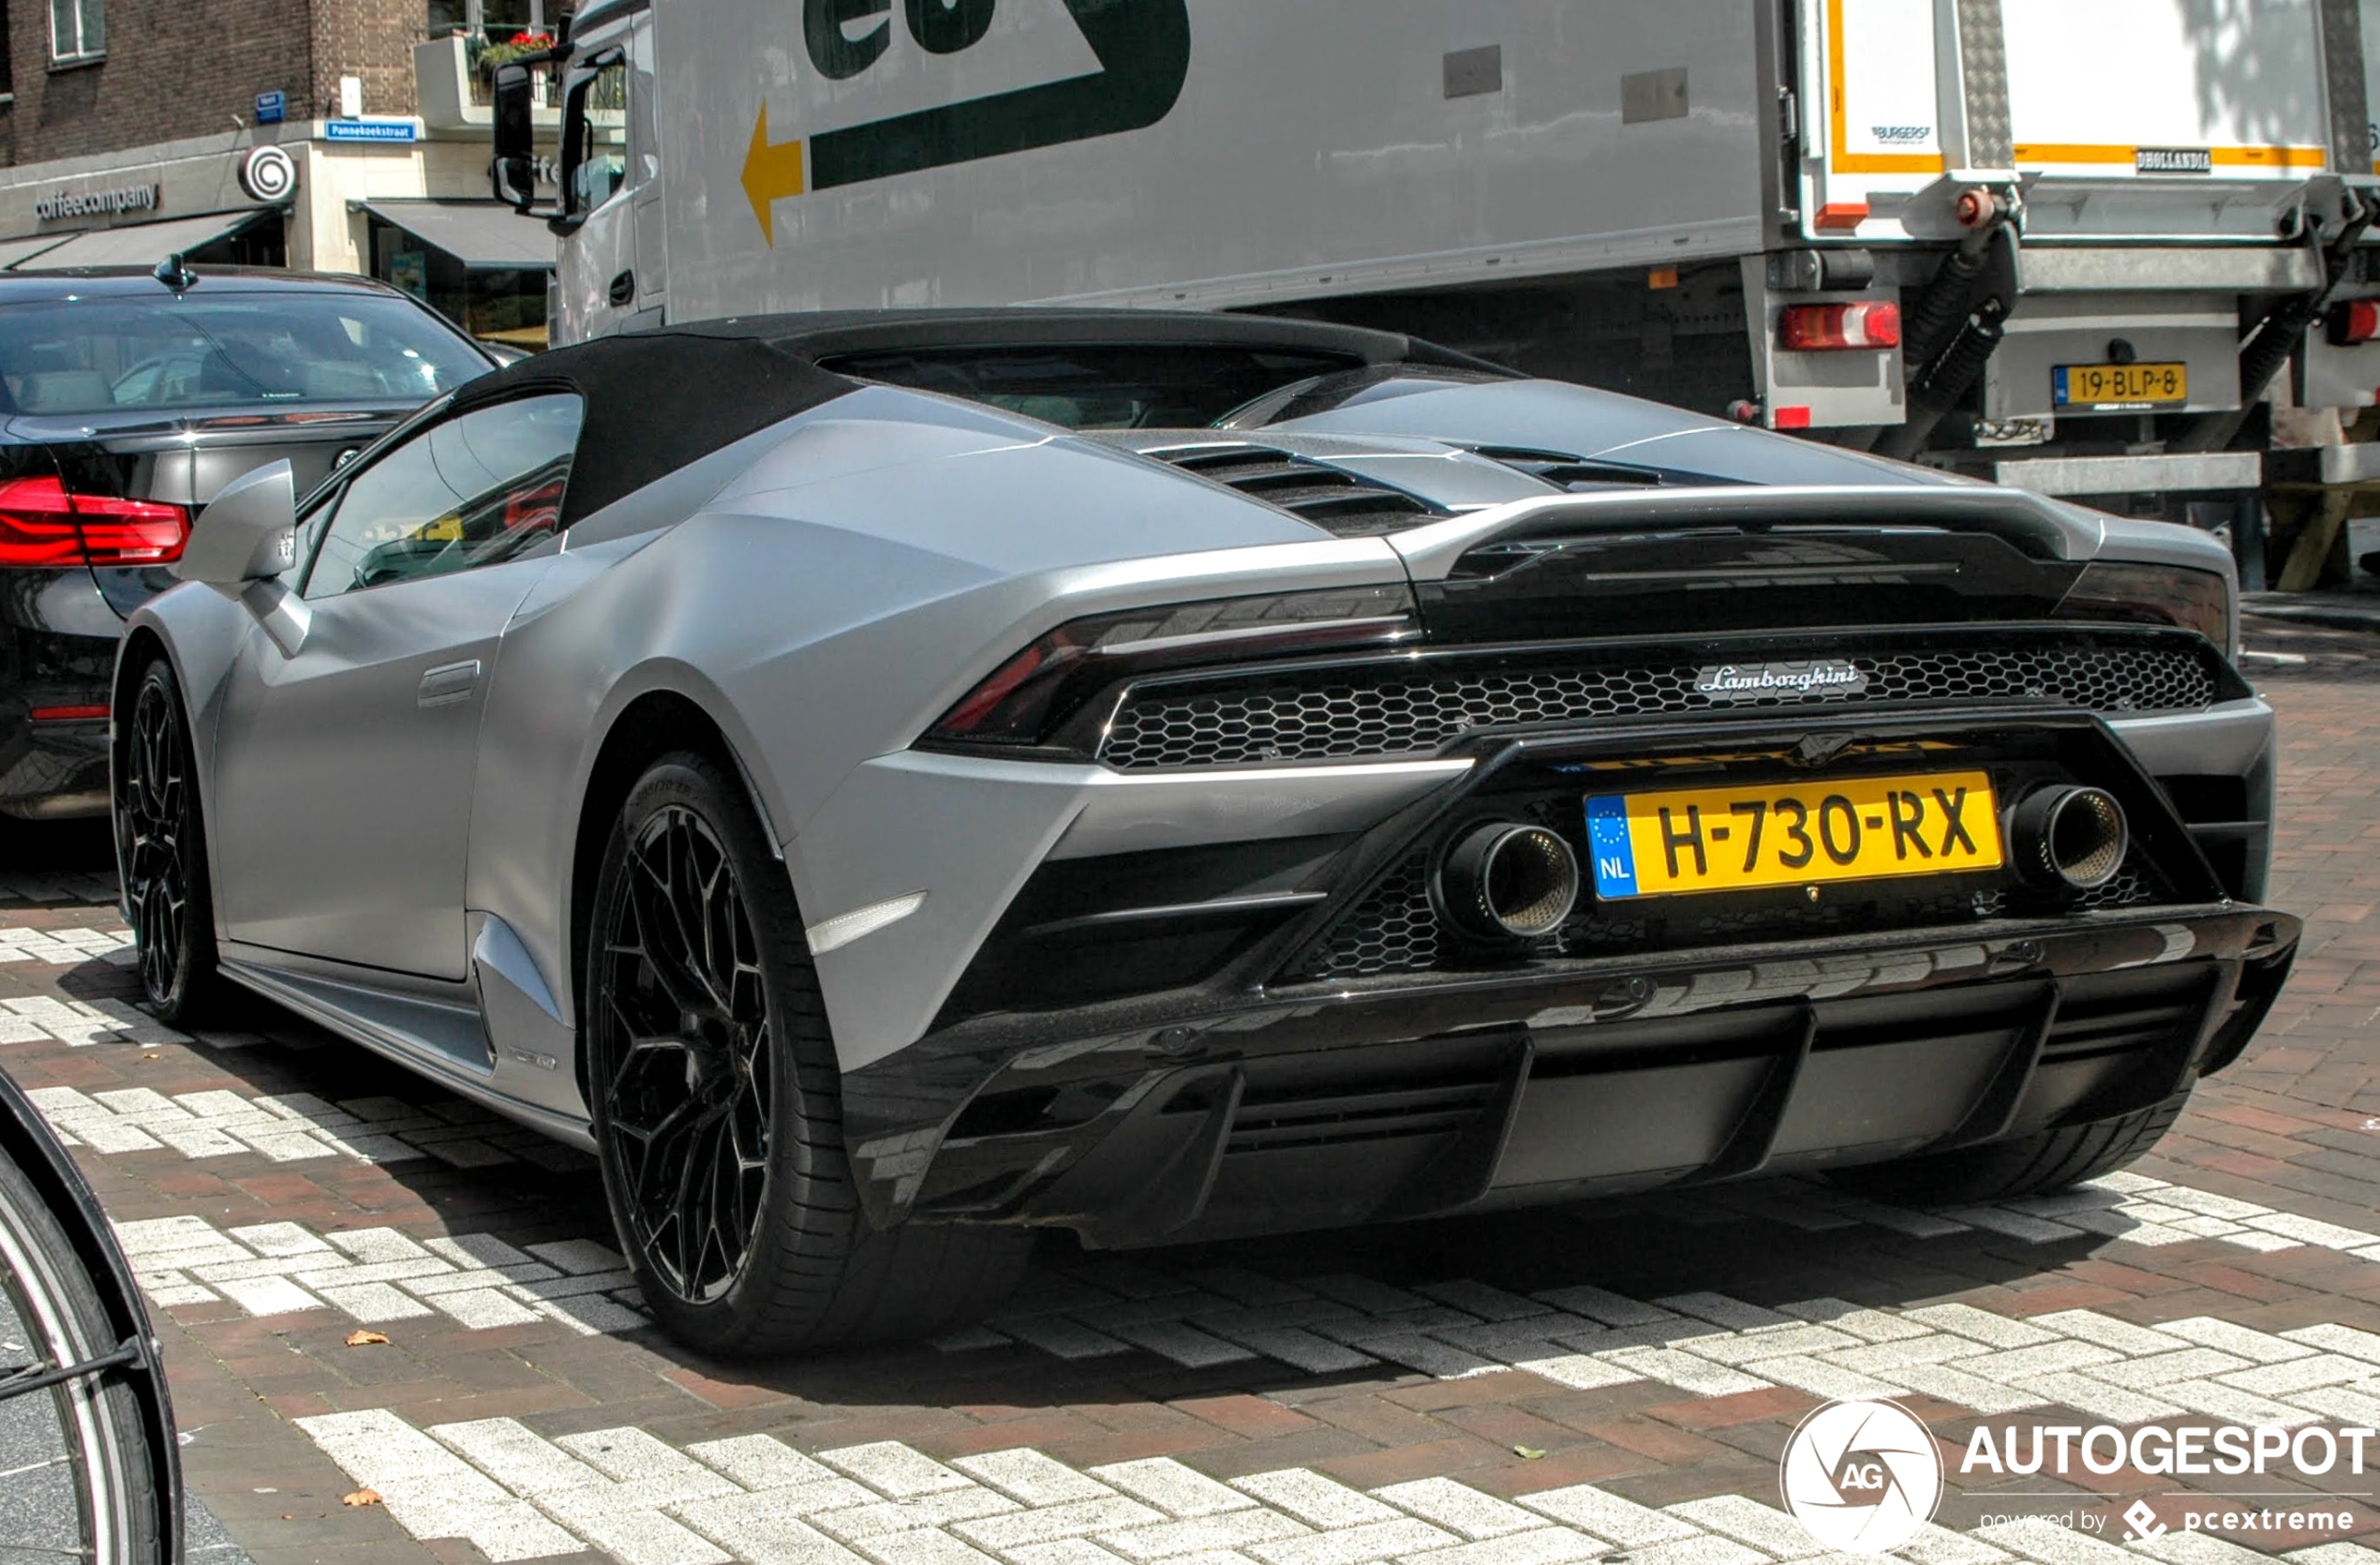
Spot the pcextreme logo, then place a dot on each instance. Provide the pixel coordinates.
(1861, 1477)
(1142, 46)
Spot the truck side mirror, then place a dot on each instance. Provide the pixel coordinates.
(513, 172)
(248, 534)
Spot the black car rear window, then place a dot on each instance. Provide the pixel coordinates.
(215, 350)
(1098, 386)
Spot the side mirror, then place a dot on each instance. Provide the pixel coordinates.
(513, 172)
(248, 534)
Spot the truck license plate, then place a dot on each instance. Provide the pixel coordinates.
(1730, 839)
(2160, 385)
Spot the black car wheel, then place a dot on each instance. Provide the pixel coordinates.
(717, 1103)
(161, 848)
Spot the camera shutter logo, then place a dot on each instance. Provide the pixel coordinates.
(1861, 1477)
(267, 175)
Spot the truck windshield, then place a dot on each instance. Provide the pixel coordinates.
(1099, 386)
(214, 350)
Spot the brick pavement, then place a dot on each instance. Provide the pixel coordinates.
(1610, 1382)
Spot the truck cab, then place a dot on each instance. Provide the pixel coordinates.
(613, 265)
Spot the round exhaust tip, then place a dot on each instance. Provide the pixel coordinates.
(1509, 882)
(2074, 837)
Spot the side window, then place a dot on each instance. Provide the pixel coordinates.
(474, 490)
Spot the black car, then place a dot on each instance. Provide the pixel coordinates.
(128, 399)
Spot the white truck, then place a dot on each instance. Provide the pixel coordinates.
(2070, 244)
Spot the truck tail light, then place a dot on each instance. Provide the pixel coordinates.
(2353, 321)
(1821, 328)
(42, 524)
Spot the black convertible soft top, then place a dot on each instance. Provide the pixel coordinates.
(658, 400)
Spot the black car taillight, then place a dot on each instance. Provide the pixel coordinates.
(1023, 700)
(42, 524)
(2152, 595)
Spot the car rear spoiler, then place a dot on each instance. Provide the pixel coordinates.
(2038, 528)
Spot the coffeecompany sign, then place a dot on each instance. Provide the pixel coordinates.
(92, 204)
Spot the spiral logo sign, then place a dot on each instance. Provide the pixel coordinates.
(1861, 1477)
(267, 175)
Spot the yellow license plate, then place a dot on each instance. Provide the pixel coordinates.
(1789, 834)
(2120, 385)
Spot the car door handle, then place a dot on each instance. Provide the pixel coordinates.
(623, 290)
(450, 681)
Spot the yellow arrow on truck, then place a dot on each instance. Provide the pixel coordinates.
(771, 174)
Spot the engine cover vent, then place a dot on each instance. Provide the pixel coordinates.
(1332, 498)
(1573, 473)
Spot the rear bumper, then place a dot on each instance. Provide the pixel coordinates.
(1423, 1094)
(57, 650)
(53, 771)
(1328, 1052)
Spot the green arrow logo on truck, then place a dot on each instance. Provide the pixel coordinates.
(1143, 49)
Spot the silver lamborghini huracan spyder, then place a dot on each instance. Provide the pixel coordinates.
(890, 781)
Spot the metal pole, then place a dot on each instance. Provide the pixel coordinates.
(2248, 542)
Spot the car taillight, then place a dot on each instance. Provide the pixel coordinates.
(42, 524)
(2351, 322)
(1818, 328)
(2153, 594)
(1025, 697)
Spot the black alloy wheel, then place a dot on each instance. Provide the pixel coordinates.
(718, 1100)
(161, 848)
(689, 1093)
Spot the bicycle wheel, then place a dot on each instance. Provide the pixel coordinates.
(86, 1464)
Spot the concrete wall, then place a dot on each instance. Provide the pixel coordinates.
(326, 236)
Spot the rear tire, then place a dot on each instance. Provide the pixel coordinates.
(160, 836)
(2025, 1166)
(717, 1099)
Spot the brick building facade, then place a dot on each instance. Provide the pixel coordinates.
(170, 69)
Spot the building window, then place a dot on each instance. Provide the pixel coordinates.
(77, 31)
(492, 21)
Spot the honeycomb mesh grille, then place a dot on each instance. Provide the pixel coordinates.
(1395, 929)
(1382, 711)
